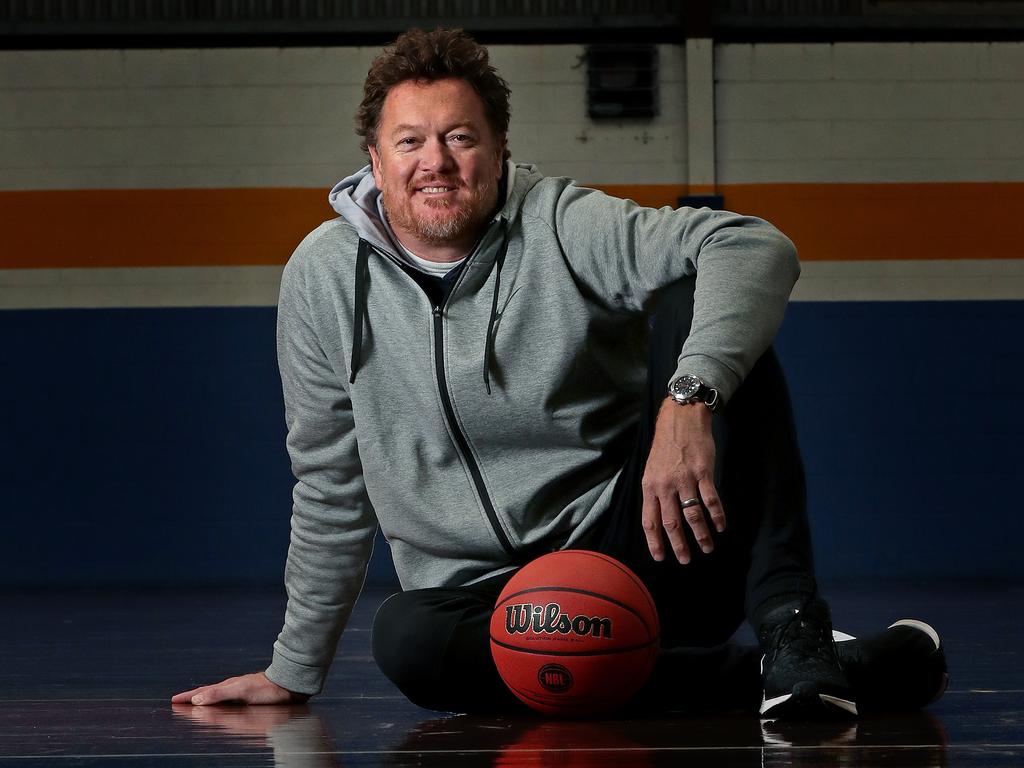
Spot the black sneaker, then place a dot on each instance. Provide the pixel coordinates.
(902, 668)
(800, 673)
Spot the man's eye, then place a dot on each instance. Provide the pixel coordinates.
(407, 141)
(460, 138)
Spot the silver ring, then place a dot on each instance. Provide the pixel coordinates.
(689, 503)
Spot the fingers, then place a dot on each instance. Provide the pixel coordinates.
(673, 526)
(679, 493)
(650, 518)
(712, 502)
(230, 690)
(694, 516)
(663, 515)
(185, 697)
(254, 688)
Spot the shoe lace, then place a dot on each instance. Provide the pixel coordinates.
(803, 633)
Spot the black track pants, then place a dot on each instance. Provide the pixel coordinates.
(433, 643)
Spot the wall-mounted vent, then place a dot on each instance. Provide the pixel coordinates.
(622, 81)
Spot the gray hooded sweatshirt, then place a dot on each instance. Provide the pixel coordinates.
(485, 431)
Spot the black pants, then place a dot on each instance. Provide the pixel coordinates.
(433, 643)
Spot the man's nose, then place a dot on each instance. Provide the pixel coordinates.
(436, 156)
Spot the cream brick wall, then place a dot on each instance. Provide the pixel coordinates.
(846, 112)
(283, 117)
(870, 112)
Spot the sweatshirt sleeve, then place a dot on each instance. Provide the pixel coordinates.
(744, 270)
(332, 524)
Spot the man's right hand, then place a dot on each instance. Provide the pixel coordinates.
(247, 689)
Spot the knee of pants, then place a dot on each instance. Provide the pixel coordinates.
(406, 647)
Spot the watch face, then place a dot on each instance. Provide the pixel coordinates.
(686, 386)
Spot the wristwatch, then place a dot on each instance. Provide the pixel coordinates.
(689, 388)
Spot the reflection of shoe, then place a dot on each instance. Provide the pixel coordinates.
(795, 744)
(787, 733)
(893, 741)
(800, 672)
(902, 668)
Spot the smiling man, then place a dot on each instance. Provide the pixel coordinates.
(469, 363)
(437, 163)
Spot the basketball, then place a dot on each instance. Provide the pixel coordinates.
(574, 633)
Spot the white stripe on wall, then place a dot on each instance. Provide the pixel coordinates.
(139, 287)
(939, 280)
(911, 280)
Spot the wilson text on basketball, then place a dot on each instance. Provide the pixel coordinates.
(549, 619)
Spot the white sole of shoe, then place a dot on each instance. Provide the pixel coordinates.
(828, 703)
(928, 629)
(842, 637)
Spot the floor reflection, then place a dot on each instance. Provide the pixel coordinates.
(298, 737)
(295, 736)
(911, 739)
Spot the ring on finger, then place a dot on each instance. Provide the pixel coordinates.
(689, 503)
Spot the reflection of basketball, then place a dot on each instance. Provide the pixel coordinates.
(575, 744)
(574, 633)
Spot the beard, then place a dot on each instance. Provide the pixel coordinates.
(445, 224)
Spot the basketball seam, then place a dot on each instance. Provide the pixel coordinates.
(626, 571)
(602, 652)
(612, 561)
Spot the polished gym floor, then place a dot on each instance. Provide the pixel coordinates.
(86, 678)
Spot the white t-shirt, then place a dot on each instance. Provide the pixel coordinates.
(433, 268)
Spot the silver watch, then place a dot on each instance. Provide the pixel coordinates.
(689, 388)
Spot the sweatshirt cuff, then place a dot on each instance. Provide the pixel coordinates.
(294, 677)
(711, 372)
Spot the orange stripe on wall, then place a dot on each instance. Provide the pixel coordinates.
(156, 227)
(860, 222)
(234, 227)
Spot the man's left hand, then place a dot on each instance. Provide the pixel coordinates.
(681, 466)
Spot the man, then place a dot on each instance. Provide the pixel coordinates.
(468, 362)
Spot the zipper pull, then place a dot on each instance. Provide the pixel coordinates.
(438, 312)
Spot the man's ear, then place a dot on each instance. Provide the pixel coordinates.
(502, 146)
(375, 166)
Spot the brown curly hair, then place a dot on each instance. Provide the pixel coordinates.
(421, 55)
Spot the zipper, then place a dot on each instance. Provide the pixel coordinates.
(449, 412)
(460, 439)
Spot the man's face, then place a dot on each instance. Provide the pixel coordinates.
(437, 162)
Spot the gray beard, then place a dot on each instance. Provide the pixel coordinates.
(443, 231)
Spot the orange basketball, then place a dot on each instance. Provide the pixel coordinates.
(574, 633)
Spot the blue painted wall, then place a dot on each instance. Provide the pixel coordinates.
(147, 446)
(911, 419)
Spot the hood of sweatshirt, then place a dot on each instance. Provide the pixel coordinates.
(356, 199)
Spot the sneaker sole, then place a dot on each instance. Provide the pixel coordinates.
(842, 637)
(804, 704)
(928, 629)
(825, 705)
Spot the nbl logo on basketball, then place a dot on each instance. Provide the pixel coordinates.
(555, 678)
(550, 620)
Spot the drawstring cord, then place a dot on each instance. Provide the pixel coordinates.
(362, 260)
(489, 346)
